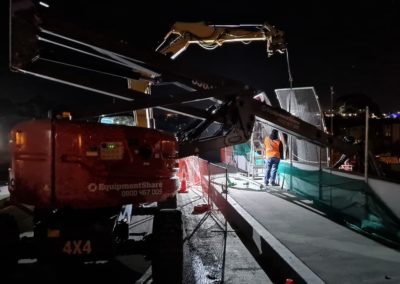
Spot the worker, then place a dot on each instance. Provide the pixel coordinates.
(273, 154)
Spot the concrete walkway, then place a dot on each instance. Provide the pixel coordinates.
(332, 252)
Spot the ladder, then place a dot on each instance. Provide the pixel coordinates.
(256, 160)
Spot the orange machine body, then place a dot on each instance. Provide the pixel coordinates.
(66, 164)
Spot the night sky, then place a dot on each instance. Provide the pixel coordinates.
(353, 47)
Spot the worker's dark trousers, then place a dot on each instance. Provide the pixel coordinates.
(271, 166)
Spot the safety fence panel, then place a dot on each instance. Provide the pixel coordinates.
(218, 181)
(218, 176)
(189, 170)
(348, 199)
(227, 155)
(202, 174)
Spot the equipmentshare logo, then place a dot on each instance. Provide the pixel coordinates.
(93, 187)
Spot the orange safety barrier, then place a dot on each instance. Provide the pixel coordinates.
(183, 188)
(190, 167)
(227, 155)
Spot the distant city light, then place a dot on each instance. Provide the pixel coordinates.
(391, 115)
(44, 4)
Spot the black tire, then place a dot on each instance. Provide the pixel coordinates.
(169, 203)
(121, 231)
(167, 256)
(9, 242)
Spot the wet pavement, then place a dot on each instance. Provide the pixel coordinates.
(213, 253)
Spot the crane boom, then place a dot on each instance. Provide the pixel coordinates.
(183, 34)
(207, 36)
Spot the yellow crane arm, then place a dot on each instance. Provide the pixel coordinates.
(184, 34)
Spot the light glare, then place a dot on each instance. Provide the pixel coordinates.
(44, 4)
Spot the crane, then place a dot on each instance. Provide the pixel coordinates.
(209, 36)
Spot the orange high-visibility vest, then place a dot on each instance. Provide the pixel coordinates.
(272, 148)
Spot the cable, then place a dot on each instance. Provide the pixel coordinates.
(290, 102)
(289, 73)
(208, 46)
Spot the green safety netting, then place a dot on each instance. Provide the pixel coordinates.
(258, 159)
(245, 150)
(242, 149)
(346, 199)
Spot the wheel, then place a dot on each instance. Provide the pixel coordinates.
(169, 203)
(167, 256)
(9, 241)
(121, 231)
